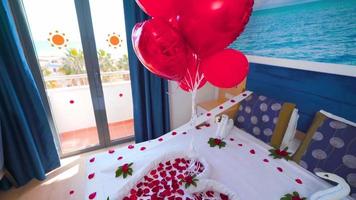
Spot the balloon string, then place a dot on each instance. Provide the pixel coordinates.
(194, 88)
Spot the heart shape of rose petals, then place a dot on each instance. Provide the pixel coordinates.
(164, 181)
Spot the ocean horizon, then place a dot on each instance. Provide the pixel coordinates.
(321, 31)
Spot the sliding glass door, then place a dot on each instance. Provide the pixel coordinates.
(82, 53)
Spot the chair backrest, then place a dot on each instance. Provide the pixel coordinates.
(332, 149)
(265, 118)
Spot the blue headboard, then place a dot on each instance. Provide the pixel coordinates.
(311, 91)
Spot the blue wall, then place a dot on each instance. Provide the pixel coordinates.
(310, 91)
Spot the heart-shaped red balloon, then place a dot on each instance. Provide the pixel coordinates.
(226, 68)
(161, 8)
(161, 49)
(211, 25)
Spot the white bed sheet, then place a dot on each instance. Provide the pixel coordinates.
(234, 166)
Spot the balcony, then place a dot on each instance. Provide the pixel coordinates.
(72, 110)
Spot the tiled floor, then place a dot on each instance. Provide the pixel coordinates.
(83, 138)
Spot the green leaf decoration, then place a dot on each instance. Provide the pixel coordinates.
(293, 196)
(119, 172)
(193, 181)
(276, 153)
(213, 142)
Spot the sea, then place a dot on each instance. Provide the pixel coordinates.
(321, 31)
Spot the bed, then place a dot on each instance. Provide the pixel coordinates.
(242, 169)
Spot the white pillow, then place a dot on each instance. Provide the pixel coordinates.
(291, 130)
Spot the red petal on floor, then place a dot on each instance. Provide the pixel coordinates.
(92, 160)
(240, 145)
(92, 195)
(111, 151)
(252, 151)
(119, 158)
(71, 192)
(90, 176)
(174, 133)
(279, 169)
(160, 139)
(142, 148)
(265, 160)
(131, 146)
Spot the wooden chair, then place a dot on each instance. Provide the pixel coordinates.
(330, 146)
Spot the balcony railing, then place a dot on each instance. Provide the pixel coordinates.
(73, 80)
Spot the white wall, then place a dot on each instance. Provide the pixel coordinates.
(181, 102)
(80, 114)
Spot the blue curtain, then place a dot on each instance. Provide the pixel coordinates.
(150, 93)
(29, 148)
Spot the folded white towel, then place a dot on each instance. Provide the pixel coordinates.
(338, 192)
(224, 126)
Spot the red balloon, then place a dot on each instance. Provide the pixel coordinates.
(161, 8)
(211, 25)
(226, 68)
(192, 76)
(161, 49)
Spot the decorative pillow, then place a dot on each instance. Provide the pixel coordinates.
(333, 149)
(265, 118)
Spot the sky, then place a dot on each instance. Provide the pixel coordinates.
(46, 16)
(264, 4)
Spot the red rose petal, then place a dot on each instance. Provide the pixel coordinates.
(298, 181)
(244, 95)
(119, 158)
(265, 160)
(131, 146)
(221, 107)
(71, 101)
(279, 169)
(92, 160)
(111, 151)
(90, 176)
(207, 125)
(71, 192)
(120, 95)
(240, 145)
(184, 133)
(232, 139)
(174, 133)
(252, 151)
(92, 195)
(142, 148)
(232, 101)
(160, 139)
(208, 114)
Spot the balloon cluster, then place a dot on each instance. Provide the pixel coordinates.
(186, 40)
